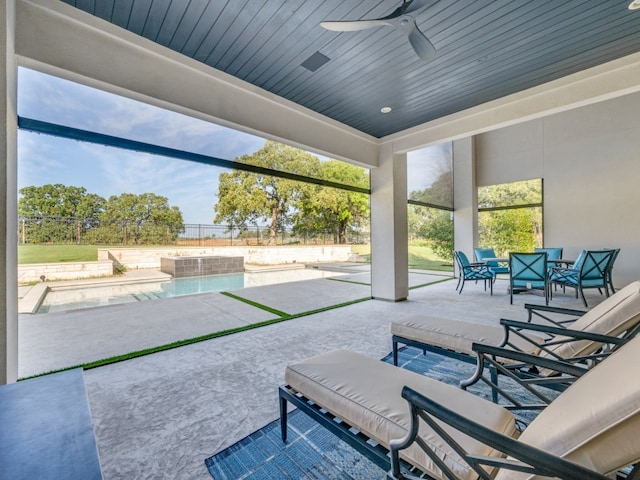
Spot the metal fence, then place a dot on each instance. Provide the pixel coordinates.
(80, 231)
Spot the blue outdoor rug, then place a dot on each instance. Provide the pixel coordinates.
(312, 452)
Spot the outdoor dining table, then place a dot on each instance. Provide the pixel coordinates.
(561, 262)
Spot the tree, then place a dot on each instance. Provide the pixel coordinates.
(439, 193)
(513, 229)
(435, 225)
(246, 198)
(333, 209)
(59, 201)
(143, 219)
(59, 213)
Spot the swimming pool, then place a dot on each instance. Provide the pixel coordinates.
(97, 296)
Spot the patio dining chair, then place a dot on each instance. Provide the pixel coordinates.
(552, 253)
(482, 253)
(472, 271)
(616, 251)
(528, 271)
(589, 271)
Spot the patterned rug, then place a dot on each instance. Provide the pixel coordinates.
(312, 452)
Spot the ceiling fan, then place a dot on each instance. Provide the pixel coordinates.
(399, 19)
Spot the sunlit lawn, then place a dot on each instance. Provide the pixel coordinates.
(420, 256)
(57, 253)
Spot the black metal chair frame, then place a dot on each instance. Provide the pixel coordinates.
(524, 368)
(375, 452)
(609, 272)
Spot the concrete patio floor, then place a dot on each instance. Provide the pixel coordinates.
(161, 415)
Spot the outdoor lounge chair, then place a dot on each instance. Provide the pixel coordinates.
(590, 337)
(613, 316)
(588, 432)
(594, 424)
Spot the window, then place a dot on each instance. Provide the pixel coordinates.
(510, 216)
(430, 206)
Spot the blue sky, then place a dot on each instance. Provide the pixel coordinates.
(44, 159)
(106, 171)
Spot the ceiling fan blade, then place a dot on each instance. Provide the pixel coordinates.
(420, 43)
(422, 46)
(352, 26)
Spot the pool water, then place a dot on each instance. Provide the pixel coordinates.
(97, 296)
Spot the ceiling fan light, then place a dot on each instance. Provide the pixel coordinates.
(385, 109)
(635, 5)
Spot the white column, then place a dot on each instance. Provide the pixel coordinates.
(8, 197)
(465, 196)
(389, 248)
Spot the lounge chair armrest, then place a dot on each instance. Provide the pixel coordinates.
(526, 359)
(511, 325)
(523, 457)
(530, 307)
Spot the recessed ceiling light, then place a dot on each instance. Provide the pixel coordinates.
(388, 109)
(635, 5)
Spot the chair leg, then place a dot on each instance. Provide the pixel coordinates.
(584, 300)
(395, 352)
(461, 287)
(491, 285)
(283, 419)
(547, 293)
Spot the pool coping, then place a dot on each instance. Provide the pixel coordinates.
(33, 296)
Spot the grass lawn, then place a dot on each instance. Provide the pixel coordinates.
(420, 257)
(57, 253)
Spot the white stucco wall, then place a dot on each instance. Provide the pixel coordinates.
(588, 159)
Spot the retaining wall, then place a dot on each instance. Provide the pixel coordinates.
(64, 271)
(133, 258)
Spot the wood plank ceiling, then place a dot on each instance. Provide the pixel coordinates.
(485, 49)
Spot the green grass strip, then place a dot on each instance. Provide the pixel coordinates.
(348, 281)
(431, 283)
(202, 338)
(256, 304)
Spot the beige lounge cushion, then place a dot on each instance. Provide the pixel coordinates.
(455, 335)
(366, 393)
(612, 316)
(596, 421)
